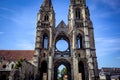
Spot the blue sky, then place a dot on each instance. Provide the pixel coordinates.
(18, 26)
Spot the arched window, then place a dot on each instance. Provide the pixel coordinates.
(77, 13)
(79, 41)
(46, 17)
(45, 41)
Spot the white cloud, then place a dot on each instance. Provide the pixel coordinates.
(106, 9)
(23, 17)
(1, 33)
(106, 46)
(118, 58)
(112, 3)
(7, 9)
(32, 33)
(108, 40)
(25, 44)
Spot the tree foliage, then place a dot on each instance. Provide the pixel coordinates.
(19, 63)
(64, 71)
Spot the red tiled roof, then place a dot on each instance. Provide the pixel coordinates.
(14, 55)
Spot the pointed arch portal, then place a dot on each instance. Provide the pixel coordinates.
(81, 70)
(43, 71)
(66, 65)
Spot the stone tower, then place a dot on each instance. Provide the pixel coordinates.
(79, 57)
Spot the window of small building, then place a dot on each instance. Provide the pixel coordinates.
(12, 66)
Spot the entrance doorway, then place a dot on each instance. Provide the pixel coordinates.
(81, 71)
(43, 71)
(62, 70)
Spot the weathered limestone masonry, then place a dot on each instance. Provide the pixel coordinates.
(80, 56)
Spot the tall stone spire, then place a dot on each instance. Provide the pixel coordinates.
(47, 3)
(74, 2)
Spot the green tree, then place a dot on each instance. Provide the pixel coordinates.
(63, 72)
(19, 63)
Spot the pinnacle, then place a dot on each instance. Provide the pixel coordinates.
(47, 3)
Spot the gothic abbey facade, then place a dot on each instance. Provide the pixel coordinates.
(79, 57)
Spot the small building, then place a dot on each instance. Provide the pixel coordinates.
(109, 74)
(8, 60)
